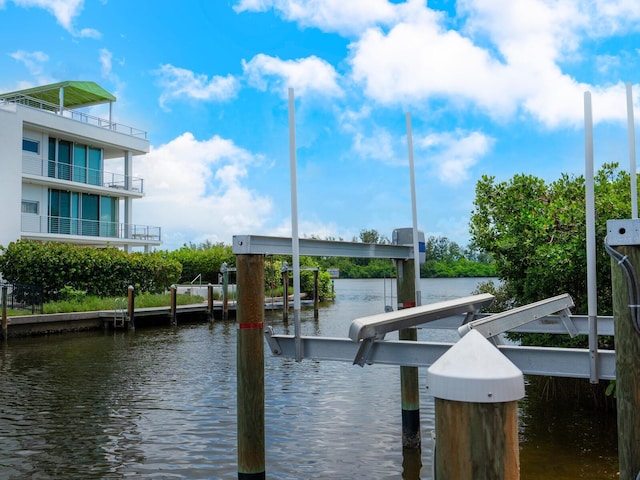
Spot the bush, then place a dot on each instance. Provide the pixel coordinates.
(104, 272)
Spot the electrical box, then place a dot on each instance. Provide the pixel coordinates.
(623, 232)
(404, 236)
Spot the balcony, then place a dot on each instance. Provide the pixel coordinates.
(89, 176)
(106, 231)
(76, 115)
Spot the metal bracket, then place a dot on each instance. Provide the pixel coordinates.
(565, 318)
(273, 343)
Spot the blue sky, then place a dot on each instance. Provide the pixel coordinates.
(493, 87)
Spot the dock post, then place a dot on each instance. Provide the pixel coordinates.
(210, 302)
(225, 291)
(409, 387)
(5, 321)
(285, 292)
(476, 390)
(316, 295)
(131, 307)
(173, 310)
(627, 365)
(250, 361)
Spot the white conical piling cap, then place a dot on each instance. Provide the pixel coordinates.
(473, 370)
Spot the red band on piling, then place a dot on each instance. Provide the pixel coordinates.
(243, 326)
(408, 304)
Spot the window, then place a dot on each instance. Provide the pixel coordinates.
(30, 145)
(29, 206)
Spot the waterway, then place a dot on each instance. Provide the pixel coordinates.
(160, 403)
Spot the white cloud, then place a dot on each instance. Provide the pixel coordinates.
(346, 17)
(380, 146)
(194, 186)
(505, 59)
(453, 154)
(106, 58)
(65, 12)
(32, 60)
(178, 83)
(305, 75)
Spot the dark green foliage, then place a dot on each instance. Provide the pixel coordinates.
(204, 260)
(273, 276)
(536, 233)
(97, 271)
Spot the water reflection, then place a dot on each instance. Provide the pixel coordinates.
(161, 403)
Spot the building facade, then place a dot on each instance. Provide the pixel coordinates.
(66, 176)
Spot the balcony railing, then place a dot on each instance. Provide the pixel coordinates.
(93, 228)
(90, 176)
(76, 115)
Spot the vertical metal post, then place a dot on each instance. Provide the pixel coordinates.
(632, 152)
(5, 321)
(409, 387)
(210, 302)
(250, 361)
(627, 367)
(173, 307)
(592, 288)
(414, 214)
(316, 295)
(131, 307)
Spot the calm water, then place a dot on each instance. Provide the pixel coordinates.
(160, 403)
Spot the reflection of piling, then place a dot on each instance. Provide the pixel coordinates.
(5, 321)
(173, 311)
(476, 389)
(210, 302)
(250, 361)
(131, 307)
(627, 360)
(409, 387)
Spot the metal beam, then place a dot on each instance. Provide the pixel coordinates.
(263, 245)
(376, 326)
(561, 362)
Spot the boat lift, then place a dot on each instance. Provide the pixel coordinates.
(365, 342)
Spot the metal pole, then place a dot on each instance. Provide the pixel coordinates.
(592, 288)
(285, 292)
(250, 360)
(632, 152)
(295, 243)
(416, 242)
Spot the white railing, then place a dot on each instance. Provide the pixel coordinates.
(91, 176)
(74, 115)
(76, 226)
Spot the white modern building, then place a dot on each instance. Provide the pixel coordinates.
(53, 182)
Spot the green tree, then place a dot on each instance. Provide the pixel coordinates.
(536, 233)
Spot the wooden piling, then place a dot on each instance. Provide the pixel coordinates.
(225, 292)
(627, 368)
(131, 307)
(210, 302)
(476, 389)
(316, 295)
(285, 294)
(173, 311)
(409, 386)
(5, 320)
(250, 361)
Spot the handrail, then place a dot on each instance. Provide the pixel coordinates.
(75, 115)
(199, 276)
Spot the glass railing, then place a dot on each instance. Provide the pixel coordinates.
(93, 228)
(63, 171)
(74, 115)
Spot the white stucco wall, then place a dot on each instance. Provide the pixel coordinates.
(10, 174)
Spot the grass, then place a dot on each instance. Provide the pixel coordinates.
(91, 304)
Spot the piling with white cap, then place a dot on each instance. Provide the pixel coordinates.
(476, 390)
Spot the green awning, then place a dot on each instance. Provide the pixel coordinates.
(76, 94)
